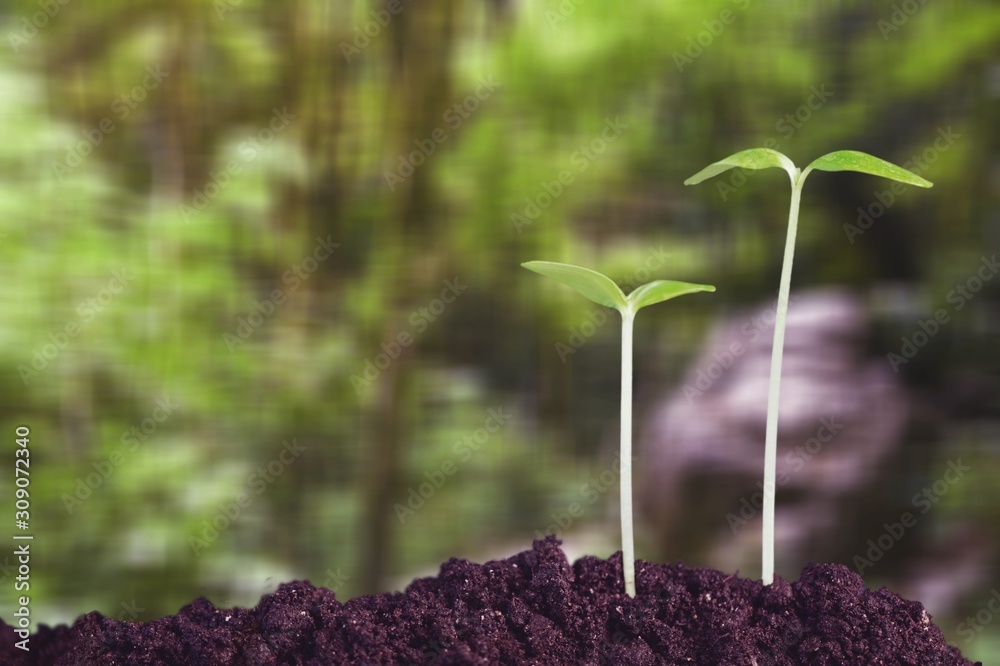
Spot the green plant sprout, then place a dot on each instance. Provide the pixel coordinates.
(765, 158)
(603, 291)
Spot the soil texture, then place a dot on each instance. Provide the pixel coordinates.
(532, 608)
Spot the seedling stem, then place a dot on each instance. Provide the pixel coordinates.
(774, 387)
(628, 542)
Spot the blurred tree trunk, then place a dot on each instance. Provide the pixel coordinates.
(418, 93)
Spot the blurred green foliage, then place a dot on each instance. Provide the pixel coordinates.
(208, 209)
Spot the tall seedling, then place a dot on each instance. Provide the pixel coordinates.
(765, 158)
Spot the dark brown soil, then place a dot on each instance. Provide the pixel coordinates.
(533, 608)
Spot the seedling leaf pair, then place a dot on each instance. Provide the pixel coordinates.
(764, 158)
(602, 290)
(841, 160)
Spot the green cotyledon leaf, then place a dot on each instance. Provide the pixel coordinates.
(754, 158)
(593, 285)
(853, 160)
(663, 290)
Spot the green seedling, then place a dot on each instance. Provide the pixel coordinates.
(603, 291)
(765, 158)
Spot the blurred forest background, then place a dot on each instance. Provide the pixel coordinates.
(264, 315)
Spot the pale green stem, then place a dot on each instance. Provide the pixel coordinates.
(774, 385)
(628, 546)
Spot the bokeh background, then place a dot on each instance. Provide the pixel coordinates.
(263, 310)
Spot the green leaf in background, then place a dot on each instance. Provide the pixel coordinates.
(853, 160)
(663, 290)
(597, 287)
(754, 158)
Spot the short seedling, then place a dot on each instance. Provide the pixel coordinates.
(603, 291)
(764, 158)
